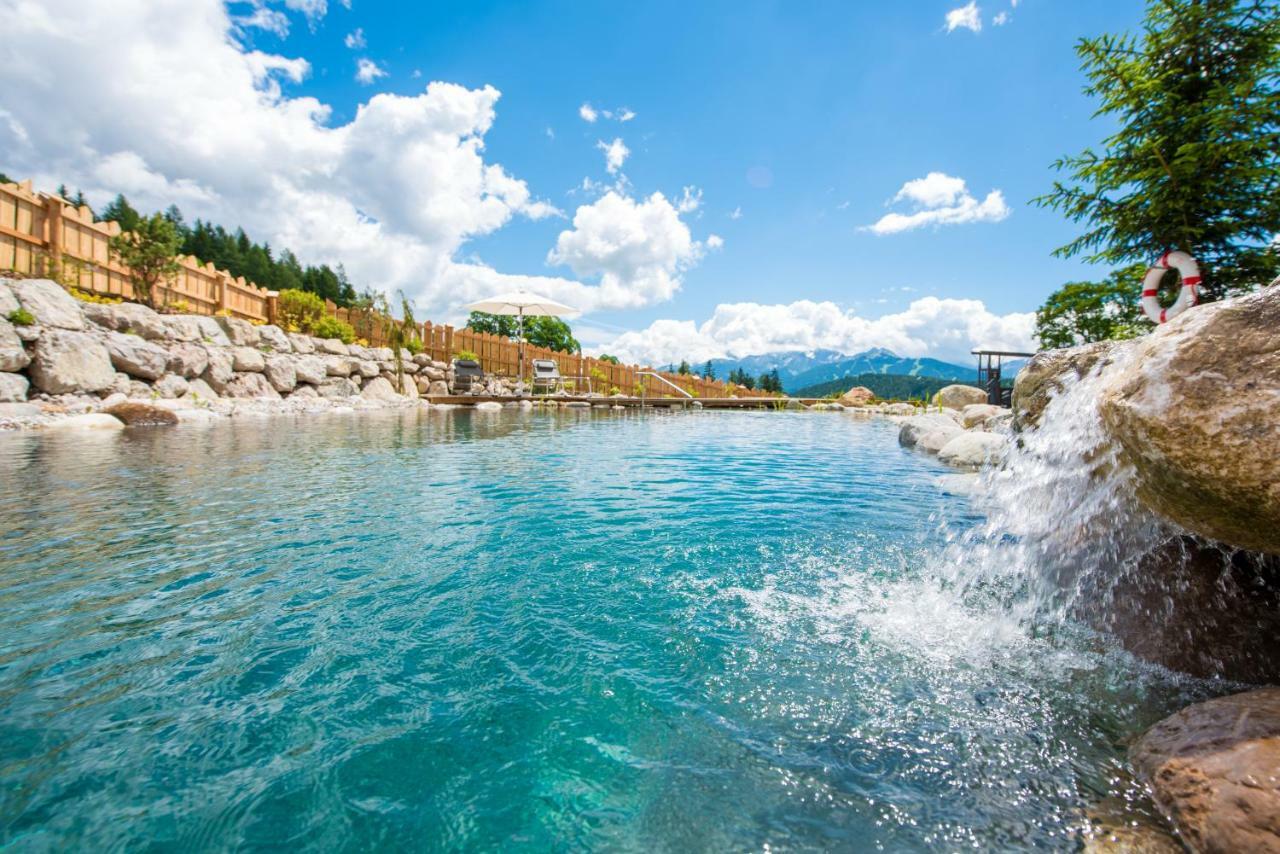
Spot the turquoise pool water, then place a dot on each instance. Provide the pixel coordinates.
(463, 631)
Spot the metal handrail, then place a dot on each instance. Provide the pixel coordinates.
(661, 378)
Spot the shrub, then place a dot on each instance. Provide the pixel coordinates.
(332, 327)
(86, 296)
(414, 346)
(299, 311)
(467, 354)
(21, 317)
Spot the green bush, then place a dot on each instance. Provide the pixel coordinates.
(299, 311)
(414, 345)
(467, 355)
(21, 317)
(332, 327)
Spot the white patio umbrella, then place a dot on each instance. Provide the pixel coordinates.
(521, 304)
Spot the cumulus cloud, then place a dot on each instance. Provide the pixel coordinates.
(736, 213)
(615, 154)
(940, 199)
(968, 17)
(940, 328)
(262, 18)
(355, 40)
(368, 71)
(588, 113)
(1000, 19)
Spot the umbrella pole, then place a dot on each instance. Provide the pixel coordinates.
(520, 346)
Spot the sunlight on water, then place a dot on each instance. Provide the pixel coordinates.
(442, 631)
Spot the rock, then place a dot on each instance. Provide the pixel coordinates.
(211, 331)
(88, 421)
(857, 396)
(794, 404)
(13, 388)
(409, 388)
(275, 338)
(134, 412)
(182, 327)
(119, 386)
(13, 356)
(302, 344)
(67, 361)
(248, 359)
(976, 413)
(128, 317)
(220, 370)
(368, 370)
(359, 352)
(433, 374)
(281, 372)
(304, 392)
(899, 409)
(310, 369)
(494, 406)
(935, 440)
(171, 386)
(20, 412)
(438, 388)
(239, 332)
(339, 366)
(8, 302)
(332, 346)
(378, 389)
(1214, 769)
(187, 360)
(1195, 411)
(195, 416)
(917, 426)
(337, 387)
(973, 449)
(1049, 372)
(959, 396)
(136, 357)
(198, 390)
(48, 303)
(249, 385)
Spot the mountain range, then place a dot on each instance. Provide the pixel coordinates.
(799, 369)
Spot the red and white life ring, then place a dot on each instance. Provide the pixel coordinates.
(1187, 297)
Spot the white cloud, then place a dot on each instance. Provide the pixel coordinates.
(588, 113)
(690, 200)
(262, 18)
(638, 249)
(313, 9)
(355, 40)
(714, 241)
(944, 329)
(368, 71)
(940, 199)
(1000, 19)
(969, 17)
(615, 154)
(736, 213)
(625, 115)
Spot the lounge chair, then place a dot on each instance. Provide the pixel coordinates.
(546, 374)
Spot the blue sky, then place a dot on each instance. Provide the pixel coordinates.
(794, 126)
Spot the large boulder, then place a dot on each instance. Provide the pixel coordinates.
(332, 346)
(310, 369)
(239, 332)
(914, 428)
(281, 373)
(248, 359)
(1214, 769)
(274, 338)
(959, 396)
(302, 344)
(975, 414)
(378, 389)
(857, 396)
(171, 386)
(8, 302)
(438, 388)
(67, 361)
(211, 331)
(128, 317)
(249, 385)
(13, 356)
(973, 449)
(136, 357)
(48, 303)
(182, 327)
(336, 387)
(1195, 409)
(187, 360)
(13, 388)
(340, 366)
(1051, 371)
(136, 412)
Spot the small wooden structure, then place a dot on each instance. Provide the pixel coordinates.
(990, 363)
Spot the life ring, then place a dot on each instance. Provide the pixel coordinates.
(1187, 297)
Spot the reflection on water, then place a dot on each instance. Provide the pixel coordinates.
(431, 630)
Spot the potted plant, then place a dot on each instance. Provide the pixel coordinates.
(466, 371)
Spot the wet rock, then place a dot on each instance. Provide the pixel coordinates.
(67, 361)
(13, 356)
(918, 426)
(248, 359)
(1195, 412)
(48, 303)
(13, 388)
(935, 440)
(959, 396)
(135, 412)
(239, 332)
(87, 421)
(249, 385)
(1214, 768)
(136, 357)
(973, 449)
(128, 317)
(281, 372)
(494, 406)
(195, 416)
(274, 338)
(187, 360)
(977, 413)
(310, 369)
(857, 396)
(171, 386)
(1051, 371)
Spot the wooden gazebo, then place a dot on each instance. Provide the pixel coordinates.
(989, 365)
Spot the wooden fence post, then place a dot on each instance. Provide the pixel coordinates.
(53, 237)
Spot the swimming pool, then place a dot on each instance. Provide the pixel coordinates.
(431, 631)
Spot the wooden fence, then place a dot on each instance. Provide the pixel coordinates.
(45, 235)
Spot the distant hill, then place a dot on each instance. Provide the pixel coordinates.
(886, 386)
(799, 369)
